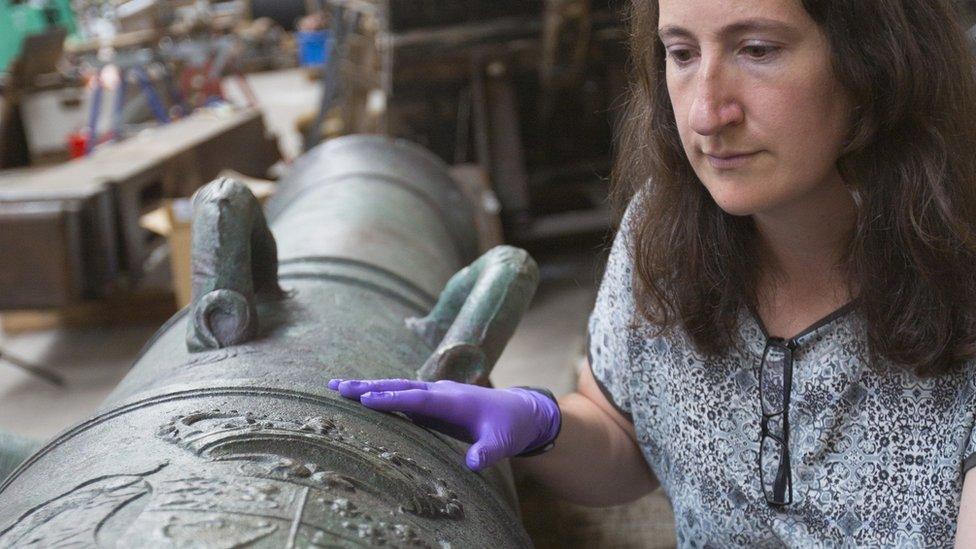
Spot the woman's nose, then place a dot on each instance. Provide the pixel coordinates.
(715, 105)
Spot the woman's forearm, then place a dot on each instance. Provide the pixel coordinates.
(595, 461)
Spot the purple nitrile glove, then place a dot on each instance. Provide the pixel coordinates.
(500, 422)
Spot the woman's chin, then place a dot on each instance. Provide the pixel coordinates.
(739, 206)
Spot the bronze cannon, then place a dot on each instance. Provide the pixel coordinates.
(224, 433)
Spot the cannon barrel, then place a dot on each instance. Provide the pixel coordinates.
(224, 433)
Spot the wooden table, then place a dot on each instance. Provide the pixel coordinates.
(85, 213)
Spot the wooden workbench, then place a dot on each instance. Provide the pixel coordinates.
(85, 213)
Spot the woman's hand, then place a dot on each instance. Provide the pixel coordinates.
(500, 423)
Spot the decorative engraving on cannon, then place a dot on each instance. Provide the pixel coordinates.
(257, 493)
(321, 454)
(74, 518)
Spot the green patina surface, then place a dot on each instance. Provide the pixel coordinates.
(225, 433)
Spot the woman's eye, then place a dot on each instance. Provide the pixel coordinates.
(759, 52)
(681, 56)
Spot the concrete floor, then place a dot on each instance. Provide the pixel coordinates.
(545, 351)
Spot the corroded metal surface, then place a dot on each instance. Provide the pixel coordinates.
(224, 433)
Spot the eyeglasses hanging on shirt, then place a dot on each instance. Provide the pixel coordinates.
(775, 383)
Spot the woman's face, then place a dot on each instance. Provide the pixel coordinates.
(761, 116)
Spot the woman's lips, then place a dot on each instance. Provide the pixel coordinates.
(729, 161)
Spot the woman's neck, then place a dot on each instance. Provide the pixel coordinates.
(802, 247)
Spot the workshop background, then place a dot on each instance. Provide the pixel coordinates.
(114, 112)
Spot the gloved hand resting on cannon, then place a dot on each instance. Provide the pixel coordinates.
(500, 423)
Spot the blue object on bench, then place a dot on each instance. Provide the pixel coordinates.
(313, 48)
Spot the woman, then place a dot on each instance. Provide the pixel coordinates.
(784, 336)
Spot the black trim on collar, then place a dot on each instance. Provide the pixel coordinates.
(842, 311)
(968, 463)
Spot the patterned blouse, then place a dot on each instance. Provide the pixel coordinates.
(877, 455)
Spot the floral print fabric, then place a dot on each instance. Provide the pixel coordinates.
(878, 455)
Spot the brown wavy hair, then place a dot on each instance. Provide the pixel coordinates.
(910, 164)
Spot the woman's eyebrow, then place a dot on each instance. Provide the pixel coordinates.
(733, 29)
